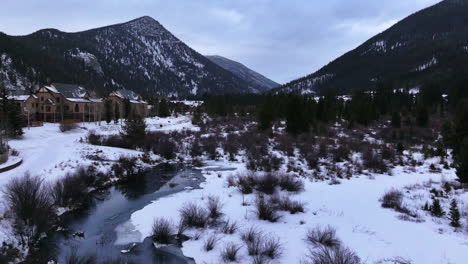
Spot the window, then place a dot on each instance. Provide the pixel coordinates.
(77, 108)
(42, 99)
(67, 108)
(37, 105)
(48, 108)
(58, 99)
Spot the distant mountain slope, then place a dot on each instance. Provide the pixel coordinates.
(431, 44)
(256, 81)
(140, 55)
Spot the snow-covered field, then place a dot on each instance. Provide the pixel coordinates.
(376, 234)
(352, 207)
(48, 153)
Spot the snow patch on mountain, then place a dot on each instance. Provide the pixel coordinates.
(89, 59)
(11, 79)
(426, 65)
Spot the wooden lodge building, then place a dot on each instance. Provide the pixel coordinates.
(59, 102)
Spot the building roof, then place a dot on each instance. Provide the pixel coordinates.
(129, 95)
(72, 90)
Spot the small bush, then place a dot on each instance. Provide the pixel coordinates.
(374, 162)
(162, 231)
(229, 228)
(30, 203)
(231, 181)
(266, 210)
(286, 204)
(67, 126)
(272, 247)
(127, 169)
(74, 258)
(214, 207)
(230, 252)
(251, 234)
(267, 183)
(335, 255)
(253, 240)
(392, 199)
(210, 242)
(193, 215)
(72, 190)
(246, 183)
(325, 236)
(290, 183)
(8, 253)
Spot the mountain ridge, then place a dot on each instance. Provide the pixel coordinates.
(257, 81)
(140, 55)
(428, 45)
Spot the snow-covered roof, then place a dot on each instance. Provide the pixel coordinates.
(78, 100)
(71, 90)
(19, 97)
(52, 89)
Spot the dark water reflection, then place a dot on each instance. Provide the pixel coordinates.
(114, 207)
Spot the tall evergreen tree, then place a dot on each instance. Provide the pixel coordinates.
(108, 111)
(422, 116)
(454, 214)
(265, 116)
(436, 209)
(296, 121)
(163, 109)
(134, 130)
(396, 120)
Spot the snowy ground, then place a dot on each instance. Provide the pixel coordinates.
(51, 154)
(352, 207)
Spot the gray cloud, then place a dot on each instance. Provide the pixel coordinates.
(283, 39)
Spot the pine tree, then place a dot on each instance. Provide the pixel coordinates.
(461, 162)
(422, 116)
(116, 113)
(134, 130)
(265, 117)
(454, 214)
(436, 209)
(108, 110)
(396, 120)
(163, 109)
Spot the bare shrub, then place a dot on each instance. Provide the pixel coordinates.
(290, 183)
(266, 210)
(253, 240)
(210, 242)
(193, 215)
(323, 236)
(229, 227)
(210, 145)
(67, 126)
(8, 253)
(392, 199)
(230, 252)
(74, 258)
(335, 255)
(214, 207)
(162, 231)
(72, 190)
(94, 139)
(127, 169)
(374, 162)
(259, 259)
(247, 182)
(231, 181)
(30, 203)
(251, 234)
(286, 204)
(272, 247)
(267, 183)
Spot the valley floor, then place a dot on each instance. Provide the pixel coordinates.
(376, 234)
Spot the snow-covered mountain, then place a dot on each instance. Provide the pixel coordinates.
(430, 45)
(140, 55)
(257, 82)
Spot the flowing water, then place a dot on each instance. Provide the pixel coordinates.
(97, 230)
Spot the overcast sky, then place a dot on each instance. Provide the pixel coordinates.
(282, 39)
